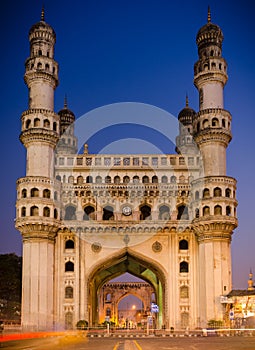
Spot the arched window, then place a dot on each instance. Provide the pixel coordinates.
(89, 179)
(80, 180)
(183, 213)
(126, 179)
(70, 179)
(145, 212)
(98, 179)
(184, 292)
(37, 122)
(205, 124)
(223, 123)
(206, 211)
(206, 193)
(46, 212)
(47, 67)
(108, 179)
(173, 179)
(69, 266)
(23, 211)
(58, 177)
(39, 65)
(164, 179)
(182, 178)
(34, 192)
(164, 213)
(69, 244)
(24, 193)
(39, 52)
(116, 179)
(55, 213)
(196, 195)
(46, 193)
(183, 193)
(196, 213)
(69, 292)
(108, 297)
(217, 192)
(55, 126)
(89, 213)
(228, 192)
(68, 320)
(184, 267)
(154, 179)
(215, 122)
(108, 213)
(136, 179)
(217, 210)
(183, 244)
(46, 123)
(70, 213)
(28, 123)
(34, 211)
(55, 195)
(145, 179)
(228, 210)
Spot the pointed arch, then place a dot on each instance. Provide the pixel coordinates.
(134, 263)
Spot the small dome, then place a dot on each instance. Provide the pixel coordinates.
(67, 117)
(209, 34)
(42, 25)
(187, 114)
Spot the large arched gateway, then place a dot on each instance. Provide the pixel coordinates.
(127, 261)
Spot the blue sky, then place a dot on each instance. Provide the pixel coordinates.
(139, 51)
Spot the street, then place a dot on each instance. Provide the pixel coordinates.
(148, 343)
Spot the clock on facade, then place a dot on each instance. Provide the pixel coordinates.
(126, 210)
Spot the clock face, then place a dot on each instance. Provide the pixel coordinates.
(126, 210)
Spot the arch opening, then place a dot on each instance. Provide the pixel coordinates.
(126, 262)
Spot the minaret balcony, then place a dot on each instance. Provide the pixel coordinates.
(39, 135)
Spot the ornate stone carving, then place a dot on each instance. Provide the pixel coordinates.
(157, 247)
(96, 247)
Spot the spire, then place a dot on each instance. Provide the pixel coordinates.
(187, 100)
(65, 102)
(209, 15)
(42, 13)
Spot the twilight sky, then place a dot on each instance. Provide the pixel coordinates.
(138, 51)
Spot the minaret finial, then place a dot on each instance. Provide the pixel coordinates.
(65, 102)
(42, 13)
(209, 15)
(187, 100)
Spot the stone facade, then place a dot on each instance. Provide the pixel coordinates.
(88, 218)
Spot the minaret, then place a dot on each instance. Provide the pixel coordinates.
(212, 125)
(68, 141)
(184, 141)
(214, 201)
(37, 193)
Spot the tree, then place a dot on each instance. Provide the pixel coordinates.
(10, 285)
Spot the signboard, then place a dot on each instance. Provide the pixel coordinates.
(154, 308)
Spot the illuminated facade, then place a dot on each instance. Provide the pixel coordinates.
(87, 218)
